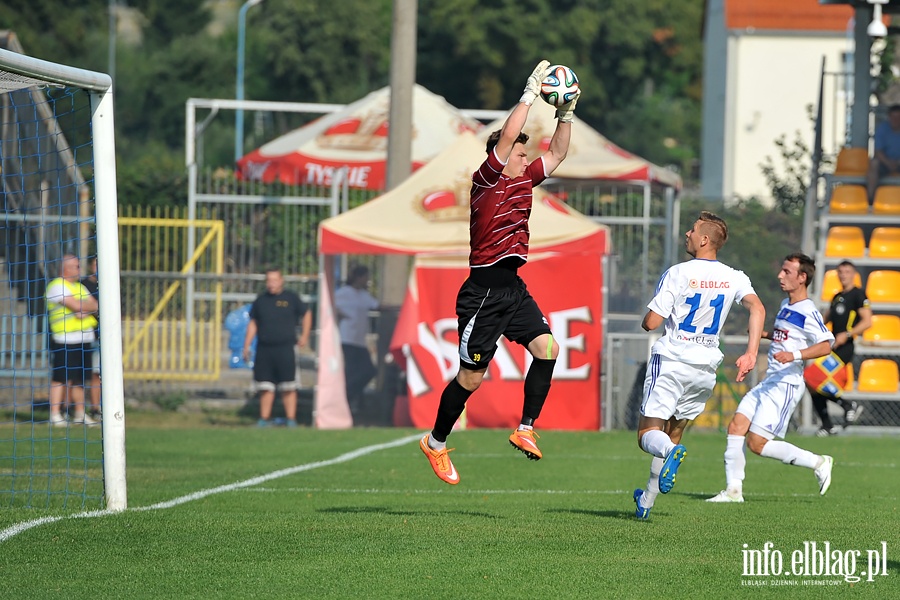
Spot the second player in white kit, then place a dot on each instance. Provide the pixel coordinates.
(763, 414)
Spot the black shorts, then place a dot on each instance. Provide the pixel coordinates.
(71, 362)
(487, 313)
(275, 367)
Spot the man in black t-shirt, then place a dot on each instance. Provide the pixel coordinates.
(849, 315)
(273, 319)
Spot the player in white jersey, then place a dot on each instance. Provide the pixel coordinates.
(799, 334)
(693, 299)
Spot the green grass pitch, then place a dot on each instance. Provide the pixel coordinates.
(379, 524)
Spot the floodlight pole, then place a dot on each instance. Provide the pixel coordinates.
(239, 91)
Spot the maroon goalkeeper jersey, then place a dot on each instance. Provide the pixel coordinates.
(499, 211)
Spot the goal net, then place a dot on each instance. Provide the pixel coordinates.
(58, 194)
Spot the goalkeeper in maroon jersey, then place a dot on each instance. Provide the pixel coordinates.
(494, 300)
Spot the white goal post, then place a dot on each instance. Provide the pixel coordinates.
(19, 72)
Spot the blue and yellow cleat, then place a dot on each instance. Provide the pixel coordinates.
(640, 512)
(670, 468)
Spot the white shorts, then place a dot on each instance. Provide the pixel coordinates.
(675, 389)
(769, 406)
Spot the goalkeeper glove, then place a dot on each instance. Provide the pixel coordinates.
(566, 112)
(533, 86)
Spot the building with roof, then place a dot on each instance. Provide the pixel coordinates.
(762, 65)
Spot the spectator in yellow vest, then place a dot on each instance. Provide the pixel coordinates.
(70, 309)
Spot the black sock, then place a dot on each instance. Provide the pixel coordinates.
(537, 386)
(820, 404)
(453, 401)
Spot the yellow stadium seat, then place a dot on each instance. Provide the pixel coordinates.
(845, 242)
(831, 285)
(883, 286)
(849, 199)
(878, 375)
(884, 243)
(852, 161)
(887, 200)
(885, 329)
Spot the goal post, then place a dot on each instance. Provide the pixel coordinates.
(30, 78)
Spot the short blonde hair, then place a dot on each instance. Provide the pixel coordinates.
(714, 227)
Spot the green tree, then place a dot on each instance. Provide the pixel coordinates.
(789, 184)
(317, 51)
(168, 20)
(57, 33)
(154, 178)
(639, 63)
(155, 82)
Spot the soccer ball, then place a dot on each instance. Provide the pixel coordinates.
(559, 86)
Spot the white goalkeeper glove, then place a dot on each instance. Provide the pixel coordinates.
(533, 86)
(566, 112)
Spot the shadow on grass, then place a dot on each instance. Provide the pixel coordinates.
(767, 499)
(380, 510)
(627, 515)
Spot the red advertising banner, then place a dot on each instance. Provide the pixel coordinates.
(568, 290)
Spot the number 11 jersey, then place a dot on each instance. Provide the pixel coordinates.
(694, 298)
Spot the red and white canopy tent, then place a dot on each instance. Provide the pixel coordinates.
(427, 216)
(591, 155)
(356, 137)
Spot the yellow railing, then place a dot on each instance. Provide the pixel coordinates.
(160, 343)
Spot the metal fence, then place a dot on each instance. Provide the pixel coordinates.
(165, 335)
(644, 224)
(625, 364)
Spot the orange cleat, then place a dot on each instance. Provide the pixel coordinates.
(440, 462)
(523, 439)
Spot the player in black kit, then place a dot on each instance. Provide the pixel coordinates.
(849, 315)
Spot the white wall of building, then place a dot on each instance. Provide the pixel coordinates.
(773, 80)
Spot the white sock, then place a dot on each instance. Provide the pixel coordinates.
(657, 443)
(735, 461)
(436, 445)
(790, 454)
(652, 490)
(525, 428)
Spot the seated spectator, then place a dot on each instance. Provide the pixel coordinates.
(887, 150)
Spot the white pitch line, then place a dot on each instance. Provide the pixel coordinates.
(455, 491)
(18, 528)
